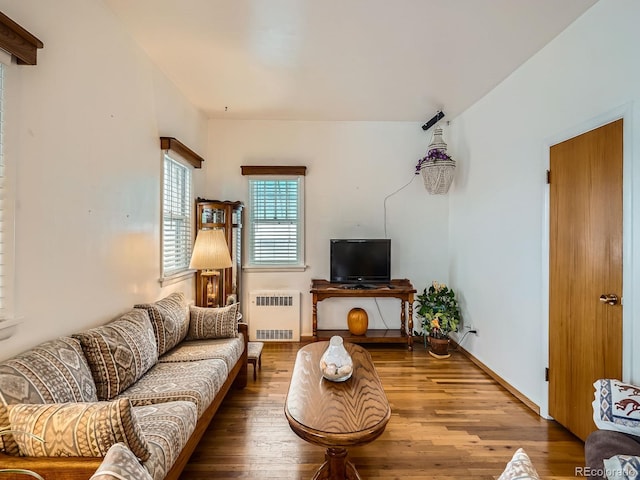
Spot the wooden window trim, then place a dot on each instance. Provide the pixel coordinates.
(171, 143)
(273, 170)
(18, 42)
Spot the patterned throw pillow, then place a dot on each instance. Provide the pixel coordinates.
(52, 372)
(519, 468)
(617, 406)
(170, 320)
(7, 442)
(120, 352)
(208, 323)
(622, 467)
(76, 429)
(120, 463)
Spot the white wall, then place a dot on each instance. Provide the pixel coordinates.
(82, 132)
(351, 168)
(588, 75)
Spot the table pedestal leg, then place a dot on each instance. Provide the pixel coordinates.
(336, 466)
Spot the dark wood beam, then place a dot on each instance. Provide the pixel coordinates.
(273, 170)
(18, 42)
(171, 143)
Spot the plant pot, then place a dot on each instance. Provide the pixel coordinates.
(439, 346)
(438, 176)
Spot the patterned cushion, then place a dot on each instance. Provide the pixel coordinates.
(76, 429)
(167, 428)
(196, 382)
(120, 464)
(206, 323)
(519, 468)
(170, 320)
(227, 349)
(622, 467)
(7, 442)
(616, 406)
(120, 352)
(52, 372)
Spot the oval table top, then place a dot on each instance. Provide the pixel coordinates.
(336, 414)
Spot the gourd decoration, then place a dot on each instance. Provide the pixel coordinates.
(358, 321)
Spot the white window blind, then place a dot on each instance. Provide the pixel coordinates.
(276, 221)
(176, 217)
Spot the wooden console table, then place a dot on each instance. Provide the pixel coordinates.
(398, 288)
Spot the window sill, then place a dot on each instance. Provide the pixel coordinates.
(273, 268)
(176, 277)
(8, 328)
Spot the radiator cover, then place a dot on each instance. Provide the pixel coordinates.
(274, 315)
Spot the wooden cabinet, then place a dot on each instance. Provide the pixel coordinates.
(227, 216)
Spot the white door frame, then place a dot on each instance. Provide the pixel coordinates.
(625, 112)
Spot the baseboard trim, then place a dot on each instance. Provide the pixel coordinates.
(506, 385)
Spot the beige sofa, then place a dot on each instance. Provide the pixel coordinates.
(150, 380)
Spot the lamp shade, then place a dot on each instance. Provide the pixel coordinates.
(210, 251)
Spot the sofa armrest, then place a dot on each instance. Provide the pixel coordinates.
(241, 379)
(74, 468)
(603, 444)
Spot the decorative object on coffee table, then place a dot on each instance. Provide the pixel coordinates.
(437, 167)
(438, 308)
(336, 363)
(358, 321)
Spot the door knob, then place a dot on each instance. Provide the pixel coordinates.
(611, 299)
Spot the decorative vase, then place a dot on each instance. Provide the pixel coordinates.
(358, 321)
(439, 347)
(437, 175)
(336, 363)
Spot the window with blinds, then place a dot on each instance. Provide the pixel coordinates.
(176, 218)
(276, 222)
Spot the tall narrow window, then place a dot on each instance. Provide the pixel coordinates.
(176, 218)
(276, 221)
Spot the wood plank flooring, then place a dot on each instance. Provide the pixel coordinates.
(449, 421)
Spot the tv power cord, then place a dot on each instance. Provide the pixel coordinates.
(462, 339)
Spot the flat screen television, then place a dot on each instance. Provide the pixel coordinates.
(360, 261)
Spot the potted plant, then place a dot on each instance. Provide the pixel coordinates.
(438, 308)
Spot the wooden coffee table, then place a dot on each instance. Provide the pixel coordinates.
(336, 415)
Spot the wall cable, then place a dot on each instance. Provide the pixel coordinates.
(391, 195)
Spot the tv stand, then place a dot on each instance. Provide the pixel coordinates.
(357, 286)
(398, 288)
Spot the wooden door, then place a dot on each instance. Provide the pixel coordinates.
(585, 334)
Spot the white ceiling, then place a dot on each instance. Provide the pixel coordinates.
(341, 59)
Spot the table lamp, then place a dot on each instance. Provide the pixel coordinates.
(210, 253)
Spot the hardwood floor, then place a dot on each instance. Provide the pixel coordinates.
(449, 421)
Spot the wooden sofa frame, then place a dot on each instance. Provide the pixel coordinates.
(79, 468)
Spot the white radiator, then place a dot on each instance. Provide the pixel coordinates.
(274, 315)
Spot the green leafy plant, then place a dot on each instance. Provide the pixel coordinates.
(19, 471)
(438, 308)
